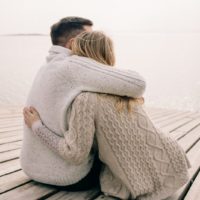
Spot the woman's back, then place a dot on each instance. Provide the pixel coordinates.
(139, 160)
(138, 157)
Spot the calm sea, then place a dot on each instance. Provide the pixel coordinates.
(170, 64)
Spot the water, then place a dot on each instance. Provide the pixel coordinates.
(170, 64)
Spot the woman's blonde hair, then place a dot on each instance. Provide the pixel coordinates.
(96, 45)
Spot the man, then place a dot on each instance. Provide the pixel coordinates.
(55, 86)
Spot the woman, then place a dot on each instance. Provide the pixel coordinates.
(139, 161)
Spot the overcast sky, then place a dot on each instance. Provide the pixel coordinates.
(27, 16)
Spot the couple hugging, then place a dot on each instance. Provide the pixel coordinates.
(85, 125)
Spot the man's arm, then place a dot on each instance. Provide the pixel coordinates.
(92, 76)
(78, 140)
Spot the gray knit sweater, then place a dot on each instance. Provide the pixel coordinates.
(140, 161)
(56, 85)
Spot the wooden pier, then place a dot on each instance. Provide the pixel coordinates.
(14, 184)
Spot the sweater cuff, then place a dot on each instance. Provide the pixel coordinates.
(37, 124)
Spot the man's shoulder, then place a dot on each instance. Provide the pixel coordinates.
(83, 62)
(57, 65)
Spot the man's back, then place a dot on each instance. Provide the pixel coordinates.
(48, 95)
(54, 88)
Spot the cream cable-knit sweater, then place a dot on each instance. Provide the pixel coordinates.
(140, 161)
(55, 86)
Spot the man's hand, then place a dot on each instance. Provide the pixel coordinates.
(30, 116)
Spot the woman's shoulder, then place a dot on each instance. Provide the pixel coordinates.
(86, 98)
(95, 98)
(83, 95)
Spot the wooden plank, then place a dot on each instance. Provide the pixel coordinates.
(160, 113)
(11, 116)
(189, 140)
(9, 155)
(9, 113)
(10, 109)
(184, 125)
(64, 195)
(164, 115)
(176, 124)
(9, 167)
(186, 115)
(194, 157)
(10, 139)
(177, 135)
(169, 115)
(13, 180)
(189, 126)
(10, 134)
(183, 130)
(10, 146)
(151, 111)
(104, 197)
(173, 124)
(194, 192)
(171, 120)
(30, 191)
(19, 127)
(11, 124)
(11, 121)
(157, 113)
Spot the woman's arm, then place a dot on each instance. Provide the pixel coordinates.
(77, 142)
(92, 76)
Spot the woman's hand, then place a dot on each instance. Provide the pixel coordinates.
(30, 116)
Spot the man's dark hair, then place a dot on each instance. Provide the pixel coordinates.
(67, 28)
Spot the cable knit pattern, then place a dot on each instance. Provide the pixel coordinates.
(153, 165)
(140, 161)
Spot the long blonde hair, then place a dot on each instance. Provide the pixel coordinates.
(98, 46)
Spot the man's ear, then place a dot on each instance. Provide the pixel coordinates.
(69, 43)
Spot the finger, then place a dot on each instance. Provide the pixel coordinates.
(25, 121)
(26, 110)
(28, 116)
(27, 113)
(33, 110)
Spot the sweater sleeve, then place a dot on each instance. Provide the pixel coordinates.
(77, 142)
(93, 76)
